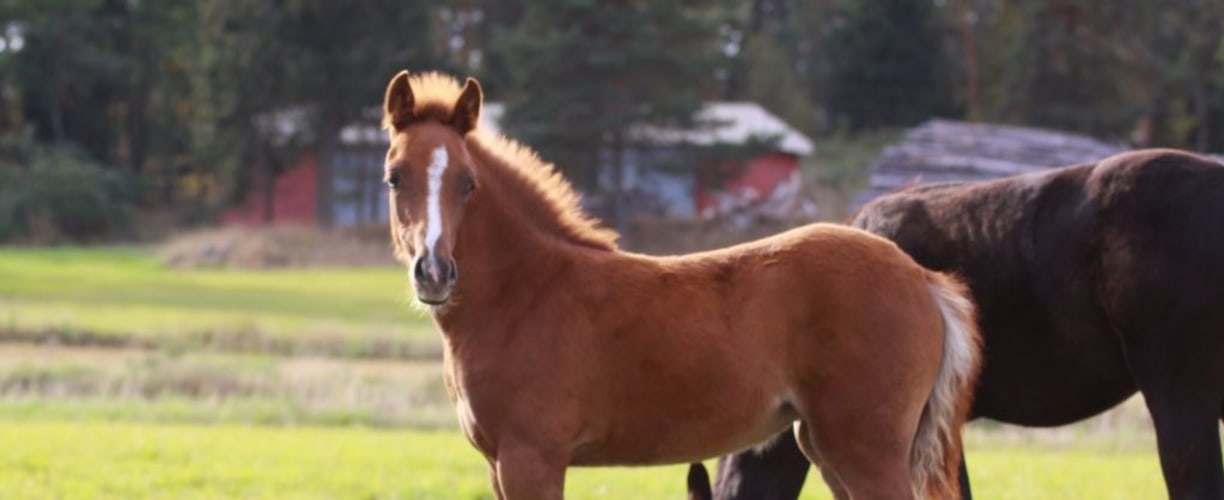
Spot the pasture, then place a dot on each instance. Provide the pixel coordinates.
(121, 379)
(91, 459)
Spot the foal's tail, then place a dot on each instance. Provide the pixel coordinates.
(936, 454)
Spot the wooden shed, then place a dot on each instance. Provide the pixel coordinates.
(946, 150)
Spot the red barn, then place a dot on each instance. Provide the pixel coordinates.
(767, 182)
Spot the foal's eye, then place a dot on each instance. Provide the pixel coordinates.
(467, 186)
(393, 180)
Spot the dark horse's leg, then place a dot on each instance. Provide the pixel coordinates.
(775, 472)
(1183, 386)
(699, 483)
(1188, 437)
(966, 493)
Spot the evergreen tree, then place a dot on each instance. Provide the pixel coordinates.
(1149, 71)
(583, 72)
(769, 61)
(327, 60)
(773, 83)
(886, 63)
(104, 75)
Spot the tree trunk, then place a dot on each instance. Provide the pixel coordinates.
(620, 215)
(1203, 110)
(969, 34)
(325, 172)
(264, 157)
(138, 137)
(58, 134)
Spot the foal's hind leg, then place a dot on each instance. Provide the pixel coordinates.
(807, 443)
(861, 458)
(528, 473)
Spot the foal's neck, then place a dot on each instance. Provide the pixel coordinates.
(505, 257)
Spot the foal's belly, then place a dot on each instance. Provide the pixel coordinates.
(684, 439)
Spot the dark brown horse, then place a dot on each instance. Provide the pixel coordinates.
(561, 349)
(1093, 281)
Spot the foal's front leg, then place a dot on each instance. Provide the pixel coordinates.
(497, 492)
(527, 472)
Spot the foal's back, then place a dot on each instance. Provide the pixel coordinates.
(742, 333)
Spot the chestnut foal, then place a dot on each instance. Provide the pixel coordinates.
(561, 349)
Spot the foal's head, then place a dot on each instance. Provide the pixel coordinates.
(430, 177)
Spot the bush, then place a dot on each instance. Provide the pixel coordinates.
(56, 194)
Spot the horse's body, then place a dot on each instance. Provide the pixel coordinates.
(562, 350)
(1093, 281)
(632, 346)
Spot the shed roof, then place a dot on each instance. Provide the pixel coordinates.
(947, 150)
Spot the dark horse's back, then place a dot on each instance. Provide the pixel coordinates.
(1055, 259)
(1092, 281)
(1162, 285)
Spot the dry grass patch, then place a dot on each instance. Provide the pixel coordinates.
(278, 247)
(130, 384)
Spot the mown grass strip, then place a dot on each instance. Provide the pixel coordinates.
(123, 297)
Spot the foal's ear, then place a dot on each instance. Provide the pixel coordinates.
(467, 108)
(397, 105)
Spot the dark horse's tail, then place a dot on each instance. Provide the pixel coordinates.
(935, 459)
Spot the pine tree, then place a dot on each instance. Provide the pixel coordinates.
(585, 71)
(1149, 71)
(887, 64)
(329, 59)
(104, 76)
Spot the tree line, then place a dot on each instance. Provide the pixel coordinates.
(155, 106)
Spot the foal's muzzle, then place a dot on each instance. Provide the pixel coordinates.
(434, 279)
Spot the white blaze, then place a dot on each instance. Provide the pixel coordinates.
(433, 209)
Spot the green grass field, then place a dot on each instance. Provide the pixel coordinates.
(124, 296)
(249, 385)
(95, 460)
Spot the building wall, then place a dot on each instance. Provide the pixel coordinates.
(360, 197)
(761, 178)
(294, 198)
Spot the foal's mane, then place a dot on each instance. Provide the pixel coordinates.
(515, 166)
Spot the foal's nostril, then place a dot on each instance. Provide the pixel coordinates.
(418, 271)
(432, 272)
